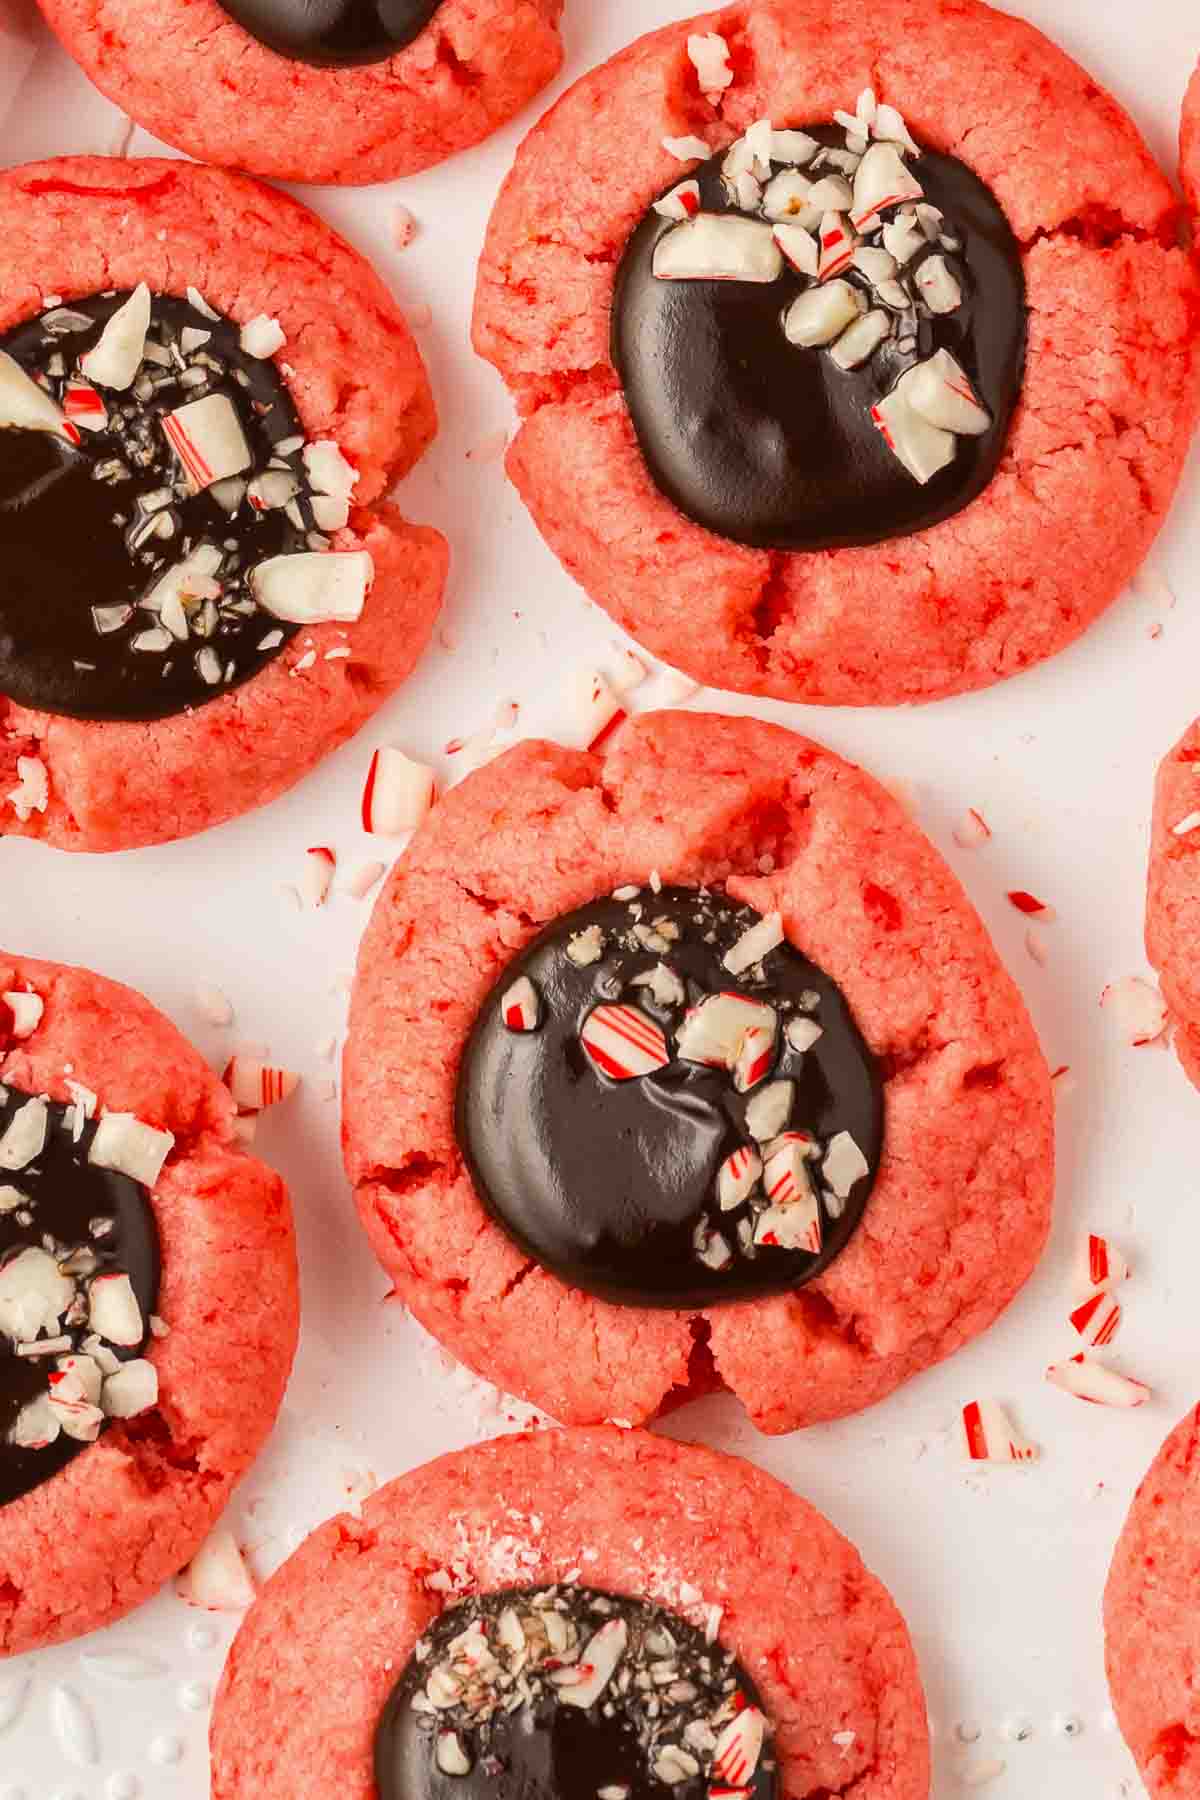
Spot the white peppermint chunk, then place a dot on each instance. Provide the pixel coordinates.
(800, 248)
(938, 285)
(314, 587)
(787, 196)
(24, 1136)
(207, 437)
(888, 124)
(33, 1295)
(36, 1426)
(940, 390)
(793, 147)
(754, 944)
(33, 793)
(124, 1143)
(132, 1390)
(821, 314)
(920, 446)
(116, 356)
(709, 54)
(332, 480)
(600, 1658)
(831, 194)
(87, 1372)
(217, 1578)
(11, 1198)
(70, 1402)
(802, 1034)
(903, 237)
(770, 1110)
(664, 984)
(26, 1010)
(113, 1311)
(844, 1165)
(262, 336)
(26, 405)
(718, 247)
(861, 340)
(882, 180)
(187, 581)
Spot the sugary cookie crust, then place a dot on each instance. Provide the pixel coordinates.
(1152, 1620)
(81, 225)
(101, 1536)
(319, 1653)
(1111, 389)
(1173, 893)
(961, 1208)
(193, 76)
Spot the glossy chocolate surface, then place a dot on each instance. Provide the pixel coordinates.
(333, 33)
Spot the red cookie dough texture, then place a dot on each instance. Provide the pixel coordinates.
(1152, 1620)
(1189, 143)
(81, 225)
(188, 72)
(961, 1208)
(1111, 387)
(102, 1535)
(1173, 895)
(319, 1653)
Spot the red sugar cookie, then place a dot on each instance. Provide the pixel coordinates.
(327, 332)
(191, 74)
(704, 1535)
(960, 1209)
(1173, 894)
(1152, 1620)
(82, 1547)
(1099, 434)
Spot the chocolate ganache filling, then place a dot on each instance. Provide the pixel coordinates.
(666, 1104)
(79, 1280)
(568, 1693)
(152, 470)
(333, 33)
(821, 336)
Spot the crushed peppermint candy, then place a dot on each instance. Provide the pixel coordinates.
(257, 1085)
(1137, 1009)
(989, 1435)
(1102, 1266)
(1090, 1380)
(398, 793)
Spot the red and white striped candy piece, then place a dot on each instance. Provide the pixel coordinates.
(319, 865)
(713, 1032)
(770, 1110)
(755, 1058)
(737, 1177)
(738, 1749)
(519, 1007)
(882, 179)
(799, 246)
(596, 710)
(1102, 1267)
(116, 356)
(838, 244)
(718, 247)
(1090, 1380)
(1097, 1320)
(1031, 906)
(1138, 1008)
(793, 1220)
(683, 202)
(924, 449)
(940, 390)
(624, 1042)
(762, 937)
(84, 406)
(207, 437)
(991, 1436)
(256, 1085)
(398, 793)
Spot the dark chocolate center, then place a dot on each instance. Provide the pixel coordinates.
(616, 1184)
(774, 445)
(93, 1222)
(482, 1711)
(333, 33)
(87, 533)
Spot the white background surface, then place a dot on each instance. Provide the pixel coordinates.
(999, 1573)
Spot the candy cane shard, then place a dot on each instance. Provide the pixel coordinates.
(624, 1042)
(761, 938)
(737, 1177)
(597, 711)
(207, 437)
(990, 1435)
(738, 1748)
(314, 587)
(25, 1012)
(256, 1085)
(715, 1031)
(116, 356)
(1092, 1381)
(683, 202)
(880, 181)
(520, 1006)
(84, 406)
(718, 247)
(793, 1219)
(1097, 1320)
(837, 246)
(1031, 906)
(125, 1143)
(1103, 1268)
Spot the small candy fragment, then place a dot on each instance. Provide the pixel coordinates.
(256, 1085)
(1032, 907)
(319, 865)
(938, 286)
(217, 1578)
(769, 1110)
(27, 406)
(1092, 1381)
(990, 1435)
(718, 247)
(738, 1748)
(1103, 1267)
(844, 1165)
(709, 54)
(837, 246)
(755, 1058)
(1186, 825)
(116, 356)
(25, 1010)
(1138, 1008)
(586, 947)
(923, 448)
(24, 1136)
(113, 1311)
(759, 941)
(262, 336)
(683, 202)
(130, 1390)
(71, 1402)
(1097, 1320)
(175, 593)
(940, 390)
(787, 199)
(711, 1248)
(686, 149)
(793, 1219)
(800, 248)
(624, 1042)
(34, 1295)
(519, 1007)
(124, 1143)
(903, 237)
(713, 1032)
(449, 1754)
(861, 340)
(889, 125)
(333, 481)
(314, 587)
(398, 793)
(821, 314)
(972, 830)
(598, 1664)
(84, 406)
(802, 1034)
(881, 180)
(32, 794)
(596, 711)
(737, 1177)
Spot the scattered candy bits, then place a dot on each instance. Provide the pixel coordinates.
(217, 1578)
(990, 1435)
(1097, 1320)
(319, 866)
(1103, 1266)
(1090, 1380)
